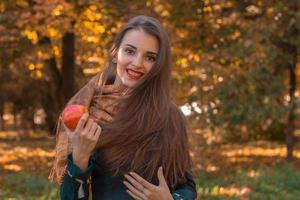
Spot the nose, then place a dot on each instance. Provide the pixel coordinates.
(137, 61)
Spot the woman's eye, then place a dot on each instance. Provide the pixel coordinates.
(129, 51)
(151, 58)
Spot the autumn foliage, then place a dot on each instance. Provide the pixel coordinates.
(236, 63)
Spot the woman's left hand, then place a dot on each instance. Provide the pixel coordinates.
(140, 189)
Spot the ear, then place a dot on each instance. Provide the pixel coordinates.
(114, 60)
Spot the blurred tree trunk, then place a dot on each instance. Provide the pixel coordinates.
(291, 62)
(52, 103)
(290, 140)
(32, 124)
(286, 34)
(61, 86)
(15, 112)
(2, 125)
(68, 65)
(52, 97)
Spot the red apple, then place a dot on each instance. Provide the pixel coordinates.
(71, 115)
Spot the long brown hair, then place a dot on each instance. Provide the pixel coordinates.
(149, 130)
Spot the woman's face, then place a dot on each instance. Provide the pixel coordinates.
(136, 56)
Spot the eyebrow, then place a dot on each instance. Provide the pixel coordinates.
(149, 52)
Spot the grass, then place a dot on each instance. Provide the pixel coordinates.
(268, 183)
(255, 171)
(27, 186)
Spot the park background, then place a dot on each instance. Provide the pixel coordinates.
(236, 64)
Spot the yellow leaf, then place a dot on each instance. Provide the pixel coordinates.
(182, 62)
(22, 3)
(165, 13)
(57, 10)
(99, 29)
(236, 35)
(270, 11)
(52, 32)
(159, 8)
(217, 7)
(56, 50)
(2, 7)
(207, 9)
(91, 13)
(196, 58)
(39, 74)
(39, 66)
(93, 7)
(31, 35)
(31, 67)
(206, 2)
(92, 39)
(148, 4)
(12, 167)
(228, 4)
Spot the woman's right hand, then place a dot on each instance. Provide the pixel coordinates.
(84, 139)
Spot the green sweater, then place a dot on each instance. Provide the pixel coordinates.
(107, 187)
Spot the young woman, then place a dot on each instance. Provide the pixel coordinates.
(133, 143)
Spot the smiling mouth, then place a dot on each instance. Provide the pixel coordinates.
(135, 75)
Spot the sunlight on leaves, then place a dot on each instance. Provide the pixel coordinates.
(206, 2)
(95, 27)
(56, 50)
(91, 13)
(229, 4)
(23, 153)
(236, 35)
(57, 10)
(39, 74)
(22, 3)
(31, 67)
(12, 167)
(92, 39)
(183, 62)
(257, 151)
(31, 35)
(253, 174)
(207, 9)
(224, 191)
(212, 168)
(240, 159)
(53, 33)
(91, 70)
(217, 7)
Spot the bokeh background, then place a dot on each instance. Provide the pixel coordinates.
(236, 65)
